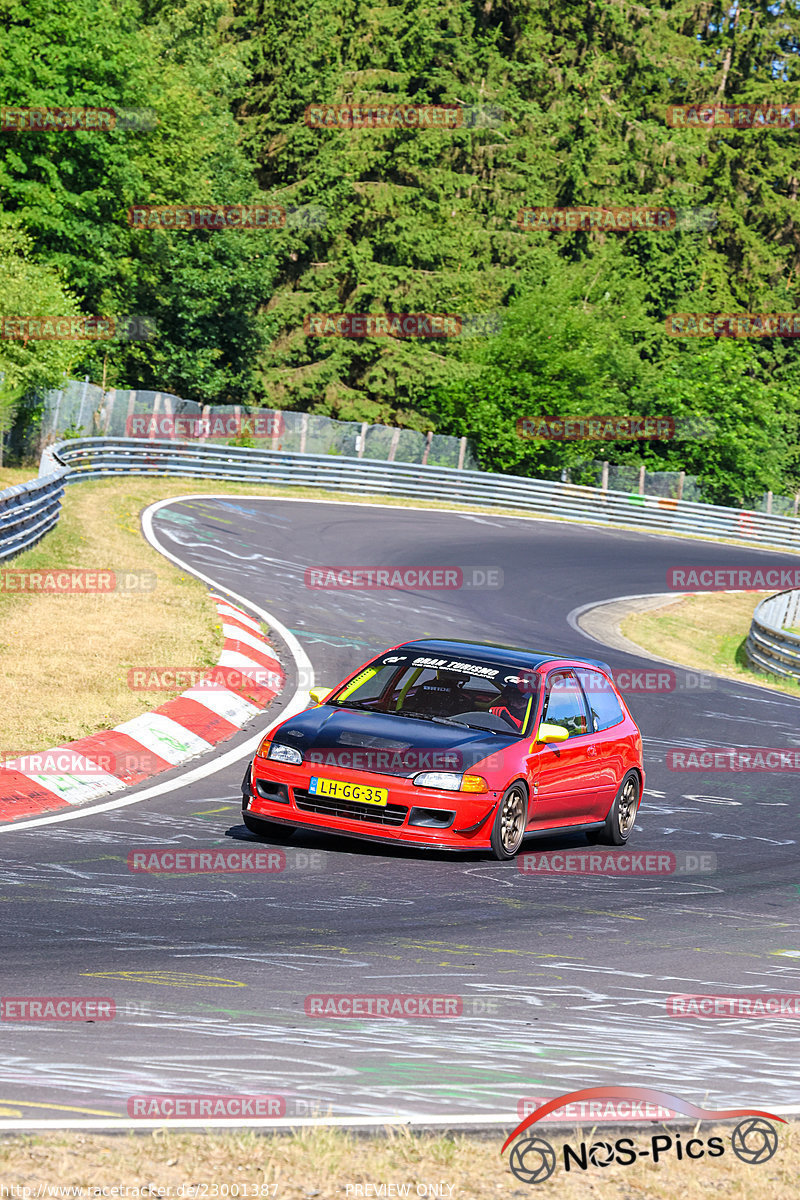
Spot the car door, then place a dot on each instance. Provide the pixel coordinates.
(605, 716)
(564, 777)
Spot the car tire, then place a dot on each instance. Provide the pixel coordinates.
(621, 817)
(510, 820)
(268, 829)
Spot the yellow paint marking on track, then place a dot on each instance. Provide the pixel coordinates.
(166, 978)
(437, 947)
(93, 1112)
(205, 812)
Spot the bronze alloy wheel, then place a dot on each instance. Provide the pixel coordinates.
(509, 823)
(627, 805)
(618, 825)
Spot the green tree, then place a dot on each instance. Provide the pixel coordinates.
(30, 288)
(72, 189)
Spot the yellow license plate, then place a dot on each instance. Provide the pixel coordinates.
(348, 791)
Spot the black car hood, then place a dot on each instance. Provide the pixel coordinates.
(387, 744)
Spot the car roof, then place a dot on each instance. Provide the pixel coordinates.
(506, 656)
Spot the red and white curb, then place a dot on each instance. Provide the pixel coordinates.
(177, 731)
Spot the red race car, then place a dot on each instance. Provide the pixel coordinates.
(454, 745)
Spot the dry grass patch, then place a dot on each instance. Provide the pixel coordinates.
(64, 659)
(9, 476)
(327, 1164)
(706, 632)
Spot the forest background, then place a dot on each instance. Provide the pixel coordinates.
(561, 104)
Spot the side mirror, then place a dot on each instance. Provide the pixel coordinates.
(318, 695)
(551, 733)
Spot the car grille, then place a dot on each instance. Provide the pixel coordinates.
(390, 814)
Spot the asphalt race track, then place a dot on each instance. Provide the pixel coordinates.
(564, 978)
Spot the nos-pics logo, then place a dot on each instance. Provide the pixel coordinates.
(533, 1159)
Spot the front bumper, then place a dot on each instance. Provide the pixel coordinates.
(413, 815)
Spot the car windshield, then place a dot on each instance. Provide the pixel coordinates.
(478, 694)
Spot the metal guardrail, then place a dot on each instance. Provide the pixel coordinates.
(30, 510)
(97, 458)
(770, 645)
(101, 458)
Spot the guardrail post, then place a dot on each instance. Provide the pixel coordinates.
(604, 478)
(362, 441)
(796, 503)
(107, 408)
(393, 447)
(54, 428)
(428, 440)
(303, 432)
(641, 479)
(462, 451)
(83, 401)
(681, 479)
(769, 502)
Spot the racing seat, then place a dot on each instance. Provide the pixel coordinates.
(440, 697)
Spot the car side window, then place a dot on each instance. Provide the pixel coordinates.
(604, 707)
(564, 703)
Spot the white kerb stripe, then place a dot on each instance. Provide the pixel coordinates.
(227, 610)
(224, 703)
(250, 639)
(77, 789)
(262, 675)
(164, 737)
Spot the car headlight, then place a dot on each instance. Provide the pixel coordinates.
(449, 781)
(279, 753)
